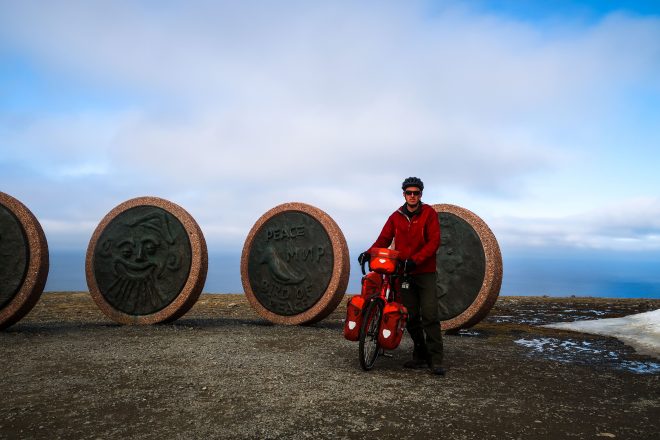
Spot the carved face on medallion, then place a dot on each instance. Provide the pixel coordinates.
(142, 260)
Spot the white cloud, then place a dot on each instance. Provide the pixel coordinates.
(242, 106)
(62, 145)
(629, 225)
(67, 233)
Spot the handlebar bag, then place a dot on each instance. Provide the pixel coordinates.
(395, 316)
(353, 317)
(383, 260)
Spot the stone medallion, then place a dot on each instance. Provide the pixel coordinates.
(23, 260)
(295, 264)
(146, 262)
(469, 265)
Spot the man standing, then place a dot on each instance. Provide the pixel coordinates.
(415, 229)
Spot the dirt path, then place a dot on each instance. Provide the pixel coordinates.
(222, 372)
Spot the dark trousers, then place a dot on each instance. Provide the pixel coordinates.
(424, 318)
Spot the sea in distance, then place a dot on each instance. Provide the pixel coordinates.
(579, 273)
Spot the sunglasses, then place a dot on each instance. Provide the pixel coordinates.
(413, 193)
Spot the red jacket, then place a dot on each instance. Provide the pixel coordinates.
(417, 238)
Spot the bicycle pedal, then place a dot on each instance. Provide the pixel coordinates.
(387, 355)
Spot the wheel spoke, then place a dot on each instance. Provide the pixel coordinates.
(369, 334)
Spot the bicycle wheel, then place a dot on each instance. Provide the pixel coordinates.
(369, 334)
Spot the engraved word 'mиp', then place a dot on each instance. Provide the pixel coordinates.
(313, 254)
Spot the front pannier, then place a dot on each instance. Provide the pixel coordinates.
(395, 316)
(353, 321)
(371, 284)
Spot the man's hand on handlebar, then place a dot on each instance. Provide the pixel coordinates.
(409, 265)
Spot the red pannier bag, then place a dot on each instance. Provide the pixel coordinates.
(395, 316)
(371, 284)
(383, 260)
(353, 317)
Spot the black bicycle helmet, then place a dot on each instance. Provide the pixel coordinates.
(413, 181)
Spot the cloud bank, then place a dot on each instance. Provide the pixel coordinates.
(231, 108)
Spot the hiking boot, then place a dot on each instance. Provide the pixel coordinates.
(416, 364)
(438, 371)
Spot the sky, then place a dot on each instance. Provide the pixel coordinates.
(541, 117)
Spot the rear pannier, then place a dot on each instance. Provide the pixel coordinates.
(395, 316)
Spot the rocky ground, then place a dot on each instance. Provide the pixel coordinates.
(223, 372)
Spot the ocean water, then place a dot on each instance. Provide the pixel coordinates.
(582, 273)
(67, 272)
(562, 274)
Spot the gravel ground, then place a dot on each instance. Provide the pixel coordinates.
(223, 372)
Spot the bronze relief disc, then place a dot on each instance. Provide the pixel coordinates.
(23, 260)
(295, 264)
(469, 266)
(146, 262)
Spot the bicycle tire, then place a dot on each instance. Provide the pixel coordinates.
(368, 347)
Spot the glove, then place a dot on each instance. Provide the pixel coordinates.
(364, 257)
(409, 265)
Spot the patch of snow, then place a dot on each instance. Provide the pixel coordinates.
(641, 331)
(557, 345)
(584, 352)
(535, 344)
(470, 333)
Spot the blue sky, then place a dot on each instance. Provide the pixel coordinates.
(541, 117)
